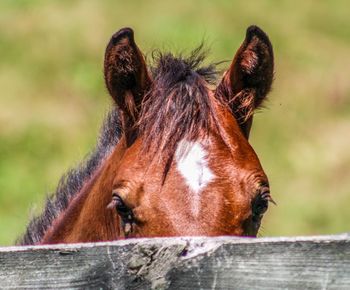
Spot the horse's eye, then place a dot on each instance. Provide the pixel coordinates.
(125, 213)
(261, 203)
(122, 209)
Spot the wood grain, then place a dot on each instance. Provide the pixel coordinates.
(182, 263)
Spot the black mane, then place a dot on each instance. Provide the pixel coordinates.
(72, 181)
(178, 105)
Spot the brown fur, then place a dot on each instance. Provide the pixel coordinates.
(159, 108)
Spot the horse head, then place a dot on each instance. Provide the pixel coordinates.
(183, 164)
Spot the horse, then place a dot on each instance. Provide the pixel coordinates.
(173, 157)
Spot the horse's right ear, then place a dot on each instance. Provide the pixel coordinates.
(126, 77)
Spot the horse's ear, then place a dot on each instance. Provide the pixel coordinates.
(126, 77)
(248, 80)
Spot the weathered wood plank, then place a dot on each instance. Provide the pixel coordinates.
(182, 263)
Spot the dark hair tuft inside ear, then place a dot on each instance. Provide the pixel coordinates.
(126, 77)
(249, 78)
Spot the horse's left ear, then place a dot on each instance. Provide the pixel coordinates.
(126, 77)
(248, 80)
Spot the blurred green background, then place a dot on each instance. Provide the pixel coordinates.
(53, 99)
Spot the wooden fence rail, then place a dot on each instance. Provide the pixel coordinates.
(321, 262)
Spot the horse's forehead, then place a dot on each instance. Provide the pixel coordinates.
(192, 163)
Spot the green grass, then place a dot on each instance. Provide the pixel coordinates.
(53, 99)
